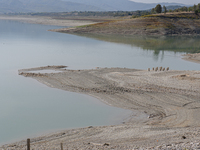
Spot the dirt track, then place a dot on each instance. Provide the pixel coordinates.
(170, 99)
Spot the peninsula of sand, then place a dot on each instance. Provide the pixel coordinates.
(49, 20)
(165, 105)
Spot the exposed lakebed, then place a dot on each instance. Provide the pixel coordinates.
(29, 108)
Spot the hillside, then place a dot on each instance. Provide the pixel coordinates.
(24, 6)
(121, 5)
(164, 24)
(16, 6)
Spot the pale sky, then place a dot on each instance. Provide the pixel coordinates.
(188, 2)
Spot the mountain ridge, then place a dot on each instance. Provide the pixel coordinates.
(16, 6)
(121, 5)
(25, 6)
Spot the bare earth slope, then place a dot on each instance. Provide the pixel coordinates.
(165, 105)
(166, 24)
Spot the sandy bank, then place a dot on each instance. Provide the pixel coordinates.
(49, 20)
(170, 99)
(192, 57)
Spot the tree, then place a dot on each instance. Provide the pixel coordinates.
(158, 8)
(190, 9)
(195, 7)
(153, 10)
(198, 6)
(165, 9)
(196, 12)
(185, 9)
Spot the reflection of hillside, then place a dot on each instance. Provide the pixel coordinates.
(186, 44)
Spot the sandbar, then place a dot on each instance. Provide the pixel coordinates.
(169, 99)
(47, 20)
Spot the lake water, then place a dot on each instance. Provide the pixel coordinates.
(29, 108)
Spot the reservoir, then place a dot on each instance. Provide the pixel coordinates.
(29, 108)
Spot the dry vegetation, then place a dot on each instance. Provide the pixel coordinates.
(162, 24)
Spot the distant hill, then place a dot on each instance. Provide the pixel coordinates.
(121, 5)
(13, 6)
(16, 6)
(173, 7)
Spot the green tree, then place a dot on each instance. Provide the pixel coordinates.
(153, 10)
(158, 8)
(165, 9)
(198, 6)
(184, 9)
(176, 10)
(195, 7)
(190, 8)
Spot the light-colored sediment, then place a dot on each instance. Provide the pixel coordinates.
(49, 20)
(170, 99)
(192, 57)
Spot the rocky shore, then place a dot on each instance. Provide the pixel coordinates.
(165, 104)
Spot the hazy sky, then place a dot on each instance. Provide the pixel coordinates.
(189, 2)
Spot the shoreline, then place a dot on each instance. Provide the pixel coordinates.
(72, 24)
(192, 57)
(45, 20)
(132, 133)
(149, 25)
(166, 97)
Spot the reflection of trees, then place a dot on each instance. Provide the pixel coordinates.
(176, 44)
(156, 52)
(156, 55)
(162, 56)
(187, 44)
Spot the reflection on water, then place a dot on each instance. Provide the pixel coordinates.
(28, 107)
(187, 44)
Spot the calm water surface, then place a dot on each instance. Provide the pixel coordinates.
(29, 108)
